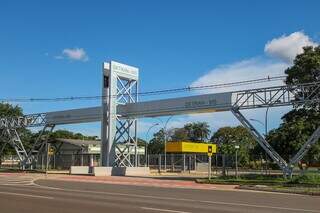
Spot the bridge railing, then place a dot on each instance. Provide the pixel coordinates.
(277, 96)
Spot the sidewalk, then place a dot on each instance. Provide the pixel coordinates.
(164, 182)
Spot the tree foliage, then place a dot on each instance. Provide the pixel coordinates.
(306, 67)
(227, 138)
(302, 121)
(70, 135)
(297, 127)
(156, 145)
(8, 110)
(195, 132)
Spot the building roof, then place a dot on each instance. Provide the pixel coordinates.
(78, 142)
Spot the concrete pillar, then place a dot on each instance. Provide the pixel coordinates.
(91, 160)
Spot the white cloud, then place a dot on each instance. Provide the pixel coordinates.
(287, 47)
(284, 48)
(75, 54)
(254, 68)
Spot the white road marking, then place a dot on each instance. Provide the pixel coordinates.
(184, 199)
(259, 206)
(15, 180)
(26, 195)
(163, 210)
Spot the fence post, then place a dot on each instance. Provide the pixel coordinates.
(209, 167)
(42, 162)
(216, 164)
(223, 165)
(54, 161)
(159, 163)
(189, 164)
(184, 162)
(172, 165)
(72, 159)
(91, 160)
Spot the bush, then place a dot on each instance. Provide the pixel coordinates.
(306, 179)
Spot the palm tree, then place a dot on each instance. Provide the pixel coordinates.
(197, 131)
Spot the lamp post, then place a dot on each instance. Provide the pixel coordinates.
(165, 140)
(265, 131)
(146, 145)
(266, 121)
(265, 124)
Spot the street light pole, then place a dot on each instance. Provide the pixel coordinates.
(146, 145)
(266, 121)
(165, 140)
(165, 143)
(265, 130)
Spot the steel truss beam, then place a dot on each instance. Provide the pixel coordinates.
(32, 120)
(12, 137)
(314, 138)
(40, 143)
(277, 96)
(261, 140)
(245, 99)
(126, 91)
(287, 168)
(126, 133)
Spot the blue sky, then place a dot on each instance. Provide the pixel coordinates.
(56, 48)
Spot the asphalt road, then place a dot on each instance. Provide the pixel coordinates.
(52, 196)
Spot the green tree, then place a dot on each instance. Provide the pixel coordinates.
(156, 145)
(179, 134)
(306, 69)
(227, 138)
(141, 142)
(197, 131)
(303, 120)
(70, 135)
(295, 130)
(9, 110)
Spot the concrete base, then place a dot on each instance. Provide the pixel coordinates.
(202, 167)
(121, 171)
(137, 171)
(79, 170)
(102, 171)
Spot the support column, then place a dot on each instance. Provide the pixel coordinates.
(314, 138)
(262, 142)
(119, 137)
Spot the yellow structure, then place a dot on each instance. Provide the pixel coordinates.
(190, 147)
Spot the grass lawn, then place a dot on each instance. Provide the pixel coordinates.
(308, 183)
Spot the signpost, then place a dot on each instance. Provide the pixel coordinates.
(237, 148)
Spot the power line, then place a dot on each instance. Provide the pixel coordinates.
(150, 93)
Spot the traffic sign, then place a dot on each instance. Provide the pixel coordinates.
(210, 150)
(51, 151)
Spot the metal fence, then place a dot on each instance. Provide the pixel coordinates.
(199, 163)
(223, 164)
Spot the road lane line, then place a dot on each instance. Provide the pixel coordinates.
(259, 206)
(26, 195)
(163, 210)
(183, 199)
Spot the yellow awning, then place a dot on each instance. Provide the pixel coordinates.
(190, 147)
